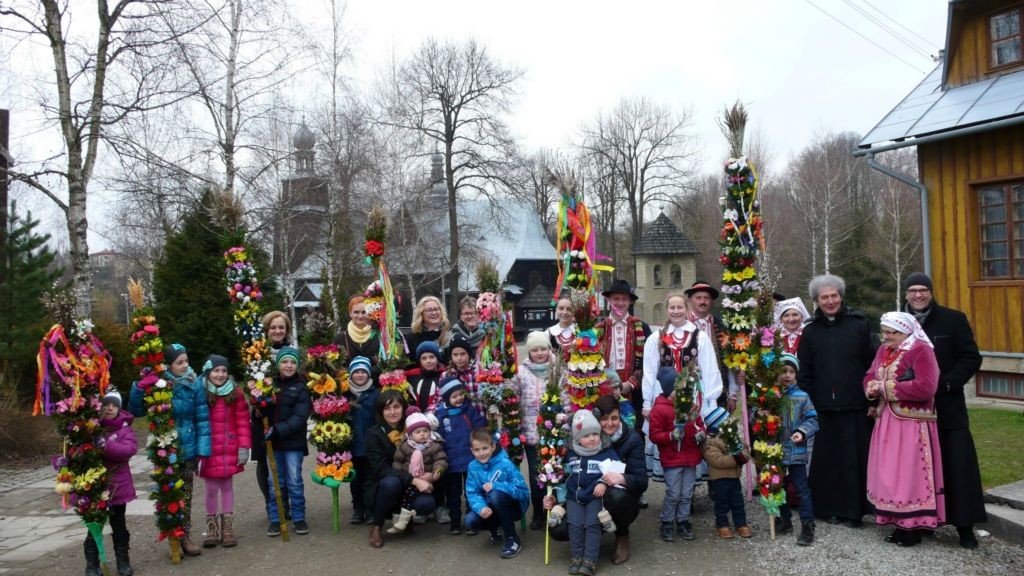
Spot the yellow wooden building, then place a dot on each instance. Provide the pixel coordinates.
(966, 119)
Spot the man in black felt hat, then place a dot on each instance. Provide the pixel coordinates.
(700, 297)
(621, 337)
(958, 357)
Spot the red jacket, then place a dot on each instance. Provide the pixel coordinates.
(229, 431)
(663, 422)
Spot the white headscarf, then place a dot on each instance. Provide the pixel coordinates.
(907, 324)
(791, 304)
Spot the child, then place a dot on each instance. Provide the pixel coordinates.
(680, 455)
(118, 443)
(496, 493)
(287, 432)
(461, 359)
(231, 440)
(192, 422)
(627, 412)
(724, 470)
(363, 394)
(424, 378)
(585, 490)
(531, 381)
(799, 424)
(420, 456)
(457, 418)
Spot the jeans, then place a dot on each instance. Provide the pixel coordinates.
(798, 474)
(728, 493)
(358, 485)
(289, 476)
(389, 498)
(622, 505)
(536, 494)
(455, 483)
(679, 481)
(505, 513)
(584, 529)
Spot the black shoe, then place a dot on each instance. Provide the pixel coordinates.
(358, 517)
(124, 566)
(495, 537)
(967, 538)
(666, 533)
(853, 523)
(92, 558)
(454, 530)
(806, 534)
(274, 529)
(511, 549)
(643, 502)
(685, 530)
(783, 524)
(832, 520)
(301, 527)
(471, 532)
(537, 523)
(910, 539)
(896, 536)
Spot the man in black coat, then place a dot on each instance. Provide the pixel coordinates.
(835, 352)
(958, 357)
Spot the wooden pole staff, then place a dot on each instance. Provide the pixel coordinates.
(272, 464)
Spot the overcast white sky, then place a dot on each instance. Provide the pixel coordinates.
(800, 72)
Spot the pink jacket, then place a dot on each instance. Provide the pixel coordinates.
(119, 445)
(229, 431)
(530, 388)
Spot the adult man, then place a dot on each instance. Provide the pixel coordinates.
(836, 349)
(468, 325)
(700, 297)
(621, 337)
(958, 357)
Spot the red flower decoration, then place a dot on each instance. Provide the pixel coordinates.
(373, 248)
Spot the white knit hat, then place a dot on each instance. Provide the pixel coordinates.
(537, 339)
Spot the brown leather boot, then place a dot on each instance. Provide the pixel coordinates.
(621, 550)
(188, 547)
(227, 531)
(212, 532)
(376, 538)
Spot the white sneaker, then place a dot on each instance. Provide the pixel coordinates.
(443, 517)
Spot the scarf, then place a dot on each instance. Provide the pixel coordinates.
(357, 334)
(416, 460)
(920, 316)
(581, 451)
(187, 378)
(907, 324)
(395, 435)
(541, 371)
(222, 390)
(358, 390)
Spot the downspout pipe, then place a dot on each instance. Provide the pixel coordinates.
(926, 241)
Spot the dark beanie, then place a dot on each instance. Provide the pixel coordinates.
(214, 361)
(448, 385)
(667, 378)
(172, 351)
(917, 279)
(458, 341)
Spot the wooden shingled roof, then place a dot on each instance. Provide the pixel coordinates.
(663, 237)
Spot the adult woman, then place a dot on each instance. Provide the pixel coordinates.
(563, 334)
(360, 337)
(278, 328)
(904, 461)
(385, 483)
(468, 326)
(429, 322)
(624, 503)
(790, 316)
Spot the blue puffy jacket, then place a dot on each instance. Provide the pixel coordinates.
(190, 410)
(363, 418)
(798, 414)
(502, 474)
(456, 425)
(584, 474)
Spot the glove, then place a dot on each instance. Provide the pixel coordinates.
(243, 456)
(269, 433)
(676, 434)
(699, 437)
(740, 459)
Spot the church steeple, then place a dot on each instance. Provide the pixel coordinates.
(304, 141)
(438, 186)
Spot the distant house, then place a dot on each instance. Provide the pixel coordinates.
(666, 262)
(967, 120)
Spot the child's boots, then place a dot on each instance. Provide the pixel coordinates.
(404, 517)
(92, 558)
(212, 532)
(124, 566)
(227, 531)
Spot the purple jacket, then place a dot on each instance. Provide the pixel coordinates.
(119, 445)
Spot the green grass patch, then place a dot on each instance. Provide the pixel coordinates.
(999, 440)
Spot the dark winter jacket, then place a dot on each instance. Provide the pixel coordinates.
(289, 414)
(190, 411)
(414, 339)
(630, 448)
(119, 445)
(834, 355)
(380, 455)
(958, 357)
(363, 419)
(584, 473)
(369, 349)
(456, 425)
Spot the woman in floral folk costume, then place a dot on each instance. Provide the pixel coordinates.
(904, 462)
(192, 421)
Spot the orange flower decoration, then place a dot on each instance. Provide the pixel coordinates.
(322, 383)
(723, 339)
(742, 341)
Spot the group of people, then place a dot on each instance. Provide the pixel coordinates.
(868, 428)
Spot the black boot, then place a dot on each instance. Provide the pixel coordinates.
(124, 567)
(783, 524)
(806, 533)
(92, 558)
(967, 538)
